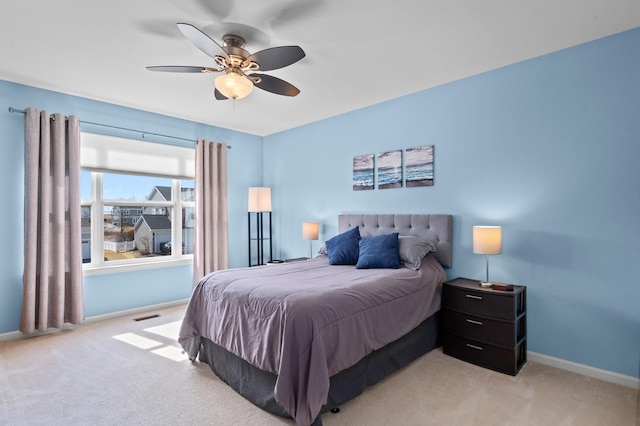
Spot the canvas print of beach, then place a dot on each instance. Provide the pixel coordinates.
(390, 169)
(419, 166)
(362, 172)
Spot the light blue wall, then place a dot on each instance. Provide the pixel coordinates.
(548, 148)
(112, 292)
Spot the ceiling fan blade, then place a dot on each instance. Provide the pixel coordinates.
(277, 57)
(179, 68)
(275, 85)
(202, 41)
(219, 96)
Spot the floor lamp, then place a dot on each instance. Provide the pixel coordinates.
(259, 203)
(487, 240)
(310, 232)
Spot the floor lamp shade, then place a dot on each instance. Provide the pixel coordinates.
(259, 199)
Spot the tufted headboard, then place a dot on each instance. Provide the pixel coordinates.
(433, 227)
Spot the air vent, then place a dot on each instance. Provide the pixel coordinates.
(146, 318)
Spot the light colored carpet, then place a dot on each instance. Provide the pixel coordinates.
(86, 376)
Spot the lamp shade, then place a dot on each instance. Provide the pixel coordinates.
(259, 199)
(310, 230)
(234, 85)
(487, 239)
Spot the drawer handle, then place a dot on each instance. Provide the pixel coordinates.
(474, 346)
(471, 296)
(474, 322)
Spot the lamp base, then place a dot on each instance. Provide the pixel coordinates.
(485, 284)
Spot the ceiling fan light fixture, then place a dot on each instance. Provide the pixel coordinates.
(238, 66)
(234, 85)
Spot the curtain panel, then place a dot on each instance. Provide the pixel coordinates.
(211, 248)
(52, 276)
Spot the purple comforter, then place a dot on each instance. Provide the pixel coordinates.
(306, 321)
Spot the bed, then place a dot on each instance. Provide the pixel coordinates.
(299, 339)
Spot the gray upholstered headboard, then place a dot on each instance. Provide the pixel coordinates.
(433, 227)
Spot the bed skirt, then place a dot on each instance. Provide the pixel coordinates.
(257, 385)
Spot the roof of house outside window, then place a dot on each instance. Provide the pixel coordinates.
(188, 194)
(155, 221)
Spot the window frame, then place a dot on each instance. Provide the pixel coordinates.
(97, 265)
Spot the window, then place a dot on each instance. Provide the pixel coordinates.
(135, 217)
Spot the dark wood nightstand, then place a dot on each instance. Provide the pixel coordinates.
(485, 327)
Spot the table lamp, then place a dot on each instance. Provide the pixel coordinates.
(487, 240)
(310, 232)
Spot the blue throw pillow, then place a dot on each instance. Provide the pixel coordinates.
(380, 251)
(343, 248)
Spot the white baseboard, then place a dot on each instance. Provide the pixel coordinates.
(12, 335)
(16, 335)
(135, 311)
(585, 370)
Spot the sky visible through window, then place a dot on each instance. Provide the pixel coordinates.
(126, 187)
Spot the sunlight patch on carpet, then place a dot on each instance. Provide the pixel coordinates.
(137, 341)
(167, 333)
(169, 330)
(172, 353)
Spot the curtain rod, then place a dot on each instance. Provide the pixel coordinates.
(21, 111)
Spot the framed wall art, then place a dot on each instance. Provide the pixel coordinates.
(390, 169)
(363, 172)
(419, 166)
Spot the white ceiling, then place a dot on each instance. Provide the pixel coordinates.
(359, 52)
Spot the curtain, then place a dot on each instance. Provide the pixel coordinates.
(52, 277)
(211, 249)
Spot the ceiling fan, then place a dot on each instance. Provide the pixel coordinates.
(239, 67)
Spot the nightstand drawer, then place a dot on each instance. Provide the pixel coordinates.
(500, 333)
(478, 302)
(496, 358)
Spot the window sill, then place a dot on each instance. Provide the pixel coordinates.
(135, 266)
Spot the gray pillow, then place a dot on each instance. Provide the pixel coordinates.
(413, 249)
